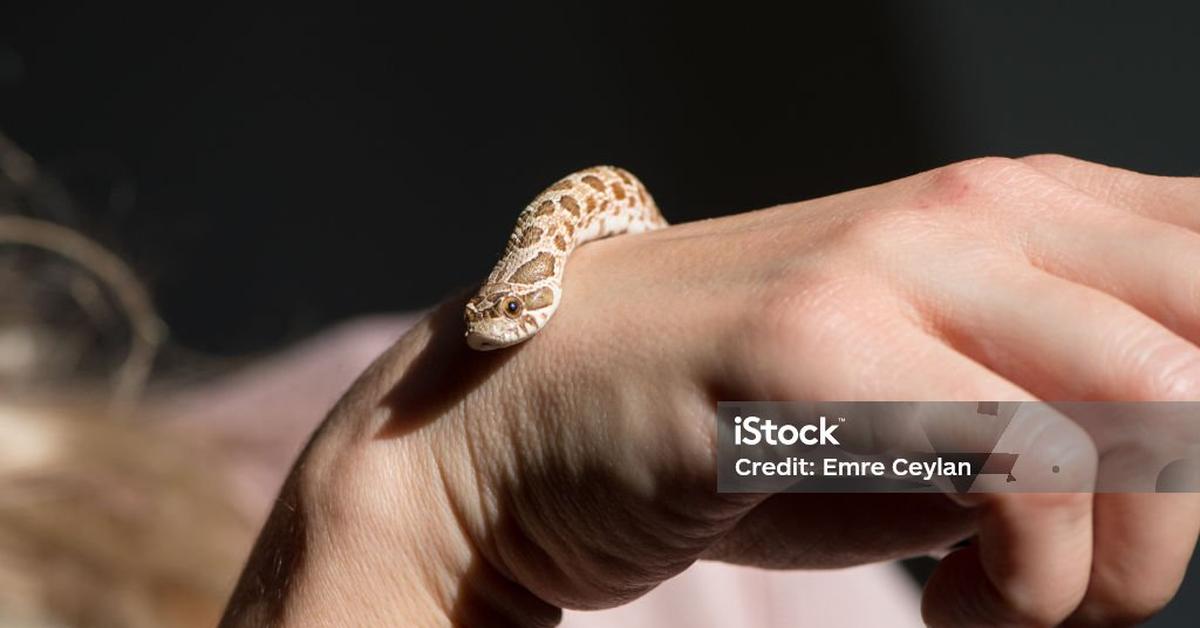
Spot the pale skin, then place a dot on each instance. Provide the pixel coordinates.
(576, 469)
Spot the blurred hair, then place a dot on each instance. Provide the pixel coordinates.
(105, 520)
(110, 523)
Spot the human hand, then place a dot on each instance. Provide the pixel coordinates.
(578, 469)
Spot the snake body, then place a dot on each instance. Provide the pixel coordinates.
(525, 287)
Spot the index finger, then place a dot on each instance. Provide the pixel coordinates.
(1175, 200)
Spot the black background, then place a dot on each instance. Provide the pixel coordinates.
(270, 170)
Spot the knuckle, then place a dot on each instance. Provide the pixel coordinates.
(985, 166)
(966, 181)
(1165, 368)
(1051, 161)
(1109, 185)
(1181, 381)
(1047, 593)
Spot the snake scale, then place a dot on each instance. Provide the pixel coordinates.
(525, 288)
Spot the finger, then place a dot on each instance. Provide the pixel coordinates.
(860, 358)
(1143, 543)
(835, 353)
(1170, 199)
(859, 345)
(778, 534)
(782, 533)
(1062, 340)
(1148, 264)
(1032, 556)
(1029, 565)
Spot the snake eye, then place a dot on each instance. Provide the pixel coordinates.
(512, 307)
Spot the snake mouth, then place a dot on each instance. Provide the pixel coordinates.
(479, 342)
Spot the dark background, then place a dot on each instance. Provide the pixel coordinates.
(271, 170)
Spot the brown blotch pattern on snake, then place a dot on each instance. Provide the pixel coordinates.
(531, 236)
(570, 204)
(594, 181)
(534, 270)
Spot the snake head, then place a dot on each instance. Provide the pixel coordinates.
(496, 318)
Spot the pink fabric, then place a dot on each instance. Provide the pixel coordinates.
(720, 595)
(262, 413)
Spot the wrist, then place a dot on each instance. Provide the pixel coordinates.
(379, 544)
(379, 522)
